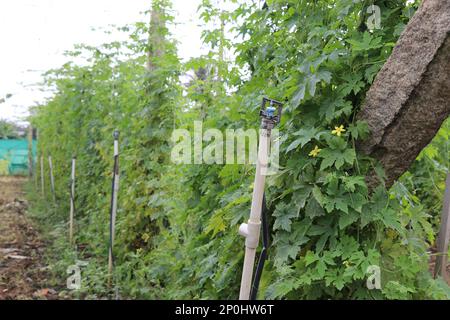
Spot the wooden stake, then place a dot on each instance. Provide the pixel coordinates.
(440, 267)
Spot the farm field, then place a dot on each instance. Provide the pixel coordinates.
(301, 152)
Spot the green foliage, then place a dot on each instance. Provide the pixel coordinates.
(177, 224)
(8, 130)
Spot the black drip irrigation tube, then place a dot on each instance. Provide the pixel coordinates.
(265, 247)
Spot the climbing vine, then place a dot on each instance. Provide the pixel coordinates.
(177, 224)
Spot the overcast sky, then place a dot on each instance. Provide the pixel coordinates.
(35, 33)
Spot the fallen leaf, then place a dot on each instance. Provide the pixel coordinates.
(41, 293)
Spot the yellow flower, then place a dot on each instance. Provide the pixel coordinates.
(139, 251)
(145, 237)
(314, 152)
(338, 130)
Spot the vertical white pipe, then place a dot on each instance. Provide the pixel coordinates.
(72, 199)
(252, 238)
(52, 180)
(115, 191)
(42, 177)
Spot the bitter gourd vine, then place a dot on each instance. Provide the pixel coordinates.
(177, 224)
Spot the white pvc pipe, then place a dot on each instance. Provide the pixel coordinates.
(72, 199)
(114, 207)
(42, 177)
(116, 190)
(251, 230)
(52, 180)
(116, 148)
(114, 212)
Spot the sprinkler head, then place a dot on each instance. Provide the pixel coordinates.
(272, 112)
(116, 134)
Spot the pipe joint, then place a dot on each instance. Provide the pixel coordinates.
(250, 231)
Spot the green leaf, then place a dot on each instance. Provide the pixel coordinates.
(337, 158)
(313, 209)
(390, 219)
(293, 145)
(339, 283)
(299, 95)
(341, 204)
(349, 156)
(318, 195)
(353, 82)
(216, 223)
(314, 78)
(310, 258)
(347, 219)
(321, 242)
(301, 195)
(281, 288)
(284, 213)
(372, 71)
(321, 268)
(350, 182)
(357, 200)
(283, 223)
(366, 217)
(366, 43)
(284, 251)
(359, 130)
(305, 135)
(328, 159)
(334, 107)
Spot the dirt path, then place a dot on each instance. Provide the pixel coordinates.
(22, 272)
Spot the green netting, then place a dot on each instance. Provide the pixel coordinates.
(14, 156)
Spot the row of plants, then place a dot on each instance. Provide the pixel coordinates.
(177, 223)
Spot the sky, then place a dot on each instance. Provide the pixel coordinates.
(35, 33)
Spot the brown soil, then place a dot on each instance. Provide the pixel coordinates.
(22, 271)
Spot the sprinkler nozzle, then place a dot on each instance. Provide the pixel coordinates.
(270, 111)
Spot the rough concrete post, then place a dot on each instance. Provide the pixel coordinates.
(410, 97)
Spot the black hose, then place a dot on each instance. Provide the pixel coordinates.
(263, 255)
